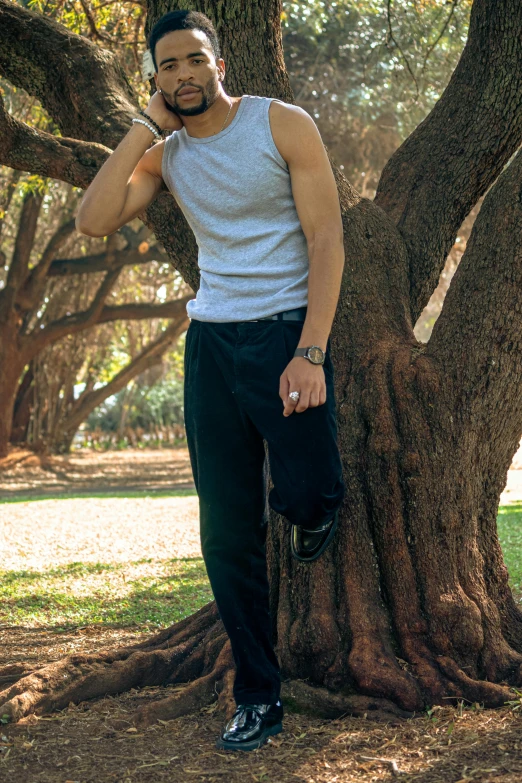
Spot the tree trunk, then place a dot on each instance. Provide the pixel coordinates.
(410, 606)
(23, 407)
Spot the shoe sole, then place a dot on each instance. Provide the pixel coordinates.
(252, 744)
(323, 546)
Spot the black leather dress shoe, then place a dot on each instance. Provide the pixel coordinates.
(307, 545)
(251, 725)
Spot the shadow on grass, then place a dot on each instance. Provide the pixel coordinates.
(76, 595)
(109, 493)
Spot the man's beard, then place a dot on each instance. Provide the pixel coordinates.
(208, 96)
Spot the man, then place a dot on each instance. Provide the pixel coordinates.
(253, 179)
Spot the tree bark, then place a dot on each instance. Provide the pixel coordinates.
(410, 606)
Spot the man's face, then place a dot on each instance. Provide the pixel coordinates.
(185, 60)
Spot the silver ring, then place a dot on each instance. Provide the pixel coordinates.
(294, 395)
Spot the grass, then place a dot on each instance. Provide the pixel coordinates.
(145, 593)
(110, 493)
(151, 593)
(509, 523)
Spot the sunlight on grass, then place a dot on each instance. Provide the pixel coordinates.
(109, 493)
(148, 593)
(510, 533)
(152, 593)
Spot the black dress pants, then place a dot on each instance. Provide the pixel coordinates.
(231, 405)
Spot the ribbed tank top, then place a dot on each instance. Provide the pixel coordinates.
(234, 189)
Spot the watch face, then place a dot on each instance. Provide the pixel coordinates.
(315, 354)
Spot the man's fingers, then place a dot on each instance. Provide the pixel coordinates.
(299, 405)
(290, 406)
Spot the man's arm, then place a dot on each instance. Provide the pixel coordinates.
(317, 202)
(129, 179)
(125, 185)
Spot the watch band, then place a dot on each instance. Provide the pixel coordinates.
(304, 352)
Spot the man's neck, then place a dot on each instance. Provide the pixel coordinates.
(211, 121)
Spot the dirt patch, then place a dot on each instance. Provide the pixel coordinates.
(24, 473)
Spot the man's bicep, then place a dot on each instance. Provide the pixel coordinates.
(313, 183)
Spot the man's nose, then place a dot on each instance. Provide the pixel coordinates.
(184, 73)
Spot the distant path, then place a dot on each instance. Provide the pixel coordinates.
(25, 474)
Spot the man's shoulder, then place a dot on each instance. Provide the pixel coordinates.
(153, 158)
(291, 126)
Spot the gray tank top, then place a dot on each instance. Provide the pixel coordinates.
(234, 189)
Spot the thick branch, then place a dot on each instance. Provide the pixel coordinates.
(477, 338)
(19, 266)
(139, 311)
(77, 322)
(147, 358)
(439, 173)
(98, 262)
(29, 149)
(29, 296)
(82, 86)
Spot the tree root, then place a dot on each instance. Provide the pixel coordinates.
(196, 695)
(197, 652)
(184, 651)
(325, 704)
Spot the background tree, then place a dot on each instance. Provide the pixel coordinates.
(411, 606)
(45, 298)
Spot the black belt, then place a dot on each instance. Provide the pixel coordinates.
(297, 314)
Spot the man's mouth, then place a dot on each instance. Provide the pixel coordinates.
(188, 93)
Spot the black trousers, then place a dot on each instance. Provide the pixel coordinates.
(231, 405)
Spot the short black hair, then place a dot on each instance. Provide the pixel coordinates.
(183, 20)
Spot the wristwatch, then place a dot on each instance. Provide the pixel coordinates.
(312, 352)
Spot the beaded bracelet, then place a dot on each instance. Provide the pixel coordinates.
(152, 121)
(149, 126)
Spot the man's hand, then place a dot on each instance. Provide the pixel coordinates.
(305, 377)
(161, 113)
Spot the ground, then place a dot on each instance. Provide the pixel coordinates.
(79, 574)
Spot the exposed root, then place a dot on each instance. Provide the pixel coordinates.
(376, 670)
(15, 671)
(325, 704)
(177, 654)
(488, 693)
(226, 701)
(196, 695)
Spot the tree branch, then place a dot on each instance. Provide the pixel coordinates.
(7, 195)
(75, 80)
(98, 262)
(77, 322)
(18, 268)
(39, 338)
(29, 149)
(139, 311)
(439, 173)
(477, 337)
(30, 294)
